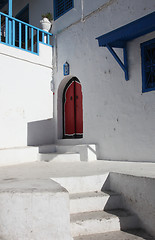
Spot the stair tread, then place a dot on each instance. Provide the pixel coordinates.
(98, 215)
(58, 153)
(136, 234)
(92, 194)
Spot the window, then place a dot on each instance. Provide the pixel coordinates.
(61, 7)
(148, 65)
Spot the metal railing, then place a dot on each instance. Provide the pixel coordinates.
(18, 34)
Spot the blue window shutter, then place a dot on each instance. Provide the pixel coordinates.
(61, 7)
(148, 65)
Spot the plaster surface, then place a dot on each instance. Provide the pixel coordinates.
(33, 210)
(138, 196)
(29, 178)
(118, 117)
(46, 170)
(132, 235)
(36, 178)
(25, 96)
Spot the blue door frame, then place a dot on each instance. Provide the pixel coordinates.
(3, 3)
(10, 8)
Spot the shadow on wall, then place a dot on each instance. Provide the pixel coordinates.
(40, 132)
(134, 194)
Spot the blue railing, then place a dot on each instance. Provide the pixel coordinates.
(18, 34)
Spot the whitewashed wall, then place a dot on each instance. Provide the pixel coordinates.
(117, 116)
(25, 97)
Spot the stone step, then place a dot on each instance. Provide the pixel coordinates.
(18, 155)
(100, 222)
(30, 207)
(94, 201)
(137, 234)
(61, 157)
(87, 151)
(50, 148)
(84, 183)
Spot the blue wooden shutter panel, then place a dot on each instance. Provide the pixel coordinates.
(148, 65)
(61, 7)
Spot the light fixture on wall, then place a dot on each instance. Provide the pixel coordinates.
(66, 68)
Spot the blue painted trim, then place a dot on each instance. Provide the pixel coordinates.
(43, 37)
(20, 35)
(124, 65)
(54, 9)
(0, 29)
(27, 24)
(46, 44)
(10, 8)
(147, 43)
(144, 80)
(120, 36)
(13, 33)
(26, 37)
(38, 40)
(6, 30)
(64, 9)
(135, 29)
(31, 39)
(48, 39)
(20, 48)
(10, 34)
(143, 70)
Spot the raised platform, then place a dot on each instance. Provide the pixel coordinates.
(33, 209)
(25, 187)
(52, 152)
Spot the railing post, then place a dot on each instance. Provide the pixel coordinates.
(37, 40)
(15, 29)
(0, 29)
(25, 37)
(6, 30)
(48, 39)
(32, 40)
(10, 32)
(20, 35)
(43, 37)
(13, 32)
(10, 8)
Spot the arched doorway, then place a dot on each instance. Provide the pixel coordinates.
(72, 109)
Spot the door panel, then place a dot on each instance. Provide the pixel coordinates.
(72, 109)
(78, 109)
(69, 111)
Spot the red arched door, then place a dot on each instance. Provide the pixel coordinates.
(72, 110)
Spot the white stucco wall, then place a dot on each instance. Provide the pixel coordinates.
(117, 116)
(34, 210)
(25, 95)
(138, 196)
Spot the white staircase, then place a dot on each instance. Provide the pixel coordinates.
(98, 215)
(67, 153)
(93, 201)
(137, 234)
(52, 152)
